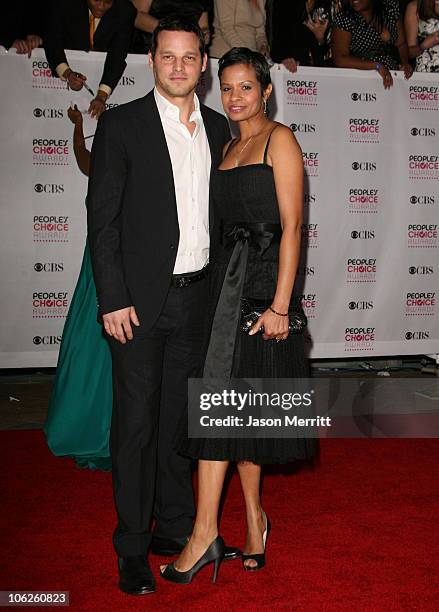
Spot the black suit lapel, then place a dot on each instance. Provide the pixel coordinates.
(151, 133)
(215, 145)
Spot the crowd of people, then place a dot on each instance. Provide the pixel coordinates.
(380, 35)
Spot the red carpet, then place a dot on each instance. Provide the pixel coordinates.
(359, 533)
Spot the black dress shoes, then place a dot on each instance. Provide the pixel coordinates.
(135, 575)
(167, 547)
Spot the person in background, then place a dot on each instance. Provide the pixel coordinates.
(369, 35)
(22, 26)
(149, 13)
(79, 414)
(422, 30)
(90, 25)
(239, 23)
(299, 31)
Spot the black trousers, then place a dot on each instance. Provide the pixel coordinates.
(150, 376)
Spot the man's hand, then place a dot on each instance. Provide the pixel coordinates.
(97, 106)
(74, 115)
(75, 80)
(117, 324)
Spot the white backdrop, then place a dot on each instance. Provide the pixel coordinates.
(369, 272)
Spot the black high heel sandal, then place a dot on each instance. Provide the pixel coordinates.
(214, 554)
(259, 557)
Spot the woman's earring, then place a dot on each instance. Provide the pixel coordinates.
(265, 107)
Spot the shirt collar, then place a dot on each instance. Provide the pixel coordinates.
(167, 109)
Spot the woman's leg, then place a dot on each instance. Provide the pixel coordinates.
(250, 475)
(211, 476)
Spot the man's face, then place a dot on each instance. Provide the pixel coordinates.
(177, 64)
(98, 8)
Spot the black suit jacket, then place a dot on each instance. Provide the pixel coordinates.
(69, 29)
(132, 212)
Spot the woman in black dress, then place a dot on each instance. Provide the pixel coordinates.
(369, 35)
(260, 181)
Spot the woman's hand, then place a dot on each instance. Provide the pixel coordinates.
(75, 115)
(275, 326)
(430, 41)
(318, 28)
(407, 69)
(386, 75)
(290, 64)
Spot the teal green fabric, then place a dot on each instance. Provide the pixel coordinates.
(79, 415)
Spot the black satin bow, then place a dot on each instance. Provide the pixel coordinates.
(220, 353)
(259, 235)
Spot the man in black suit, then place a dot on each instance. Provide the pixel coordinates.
(90, 25)
(149, 219)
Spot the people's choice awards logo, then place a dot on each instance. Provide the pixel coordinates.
(50, 228)
(423, 97)
(310, 235)
(420, 303)
(49, 304)
(422, 235)
(423, 167)
(50, 152)
(302, 92)
(359, 339)
(363, 200)
(311, 162)
(309, 303)
(42, 77)
(361, 270)
(361, 129)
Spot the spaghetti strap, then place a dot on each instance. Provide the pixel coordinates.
(228, 147)
(267, 145)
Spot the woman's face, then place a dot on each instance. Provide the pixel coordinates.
(360, 5)
(241, 93)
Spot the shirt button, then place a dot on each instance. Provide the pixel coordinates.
(172, 246)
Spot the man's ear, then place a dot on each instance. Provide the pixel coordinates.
(150, 59)
(204, 64)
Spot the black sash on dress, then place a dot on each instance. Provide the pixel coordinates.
(220, 352)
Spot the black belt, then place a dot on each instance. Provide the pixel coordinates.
(219, 359)
(184, 280)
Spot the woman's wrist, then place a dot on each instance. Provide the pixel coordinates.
(278, 312)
